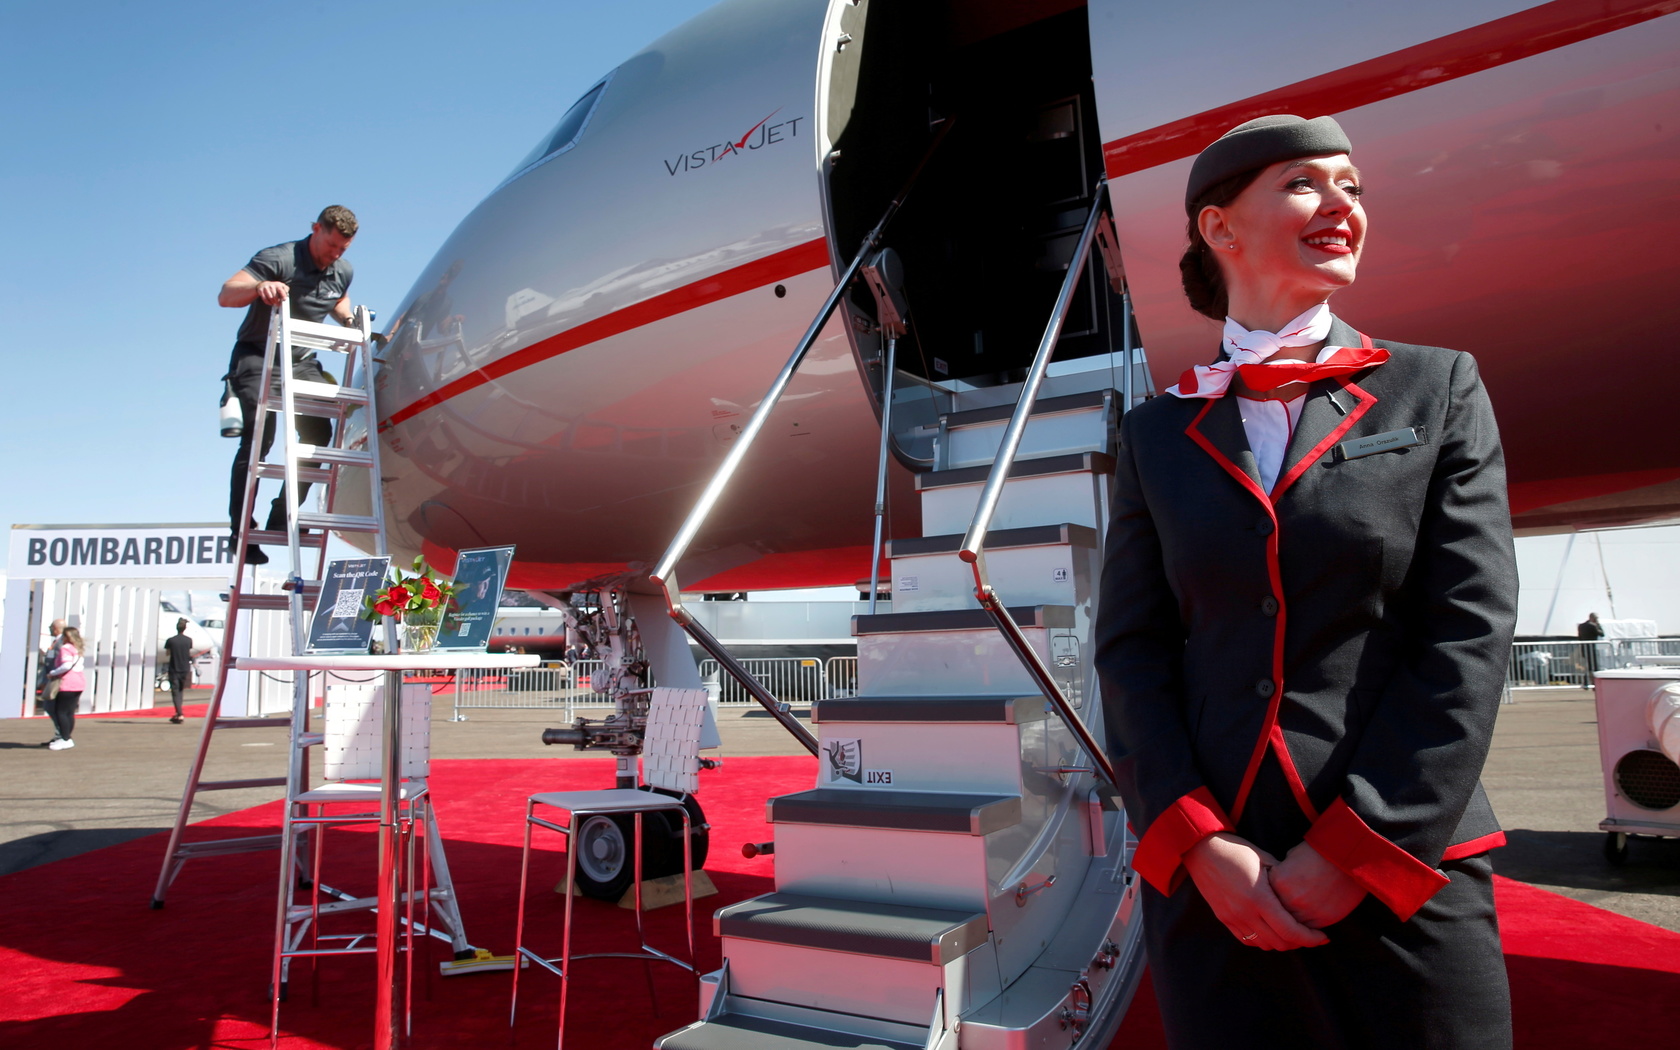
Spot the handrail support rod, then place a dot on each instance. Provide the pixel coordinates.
(973, 550)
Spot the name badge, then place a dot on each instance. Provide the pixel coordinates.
(1388, 441)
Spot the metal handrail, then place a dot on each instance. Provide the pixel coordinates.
(665, 572)
(972, 550)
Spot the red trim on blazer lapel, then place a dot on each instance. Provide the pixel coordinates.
(1241, 476)
(1365, 400)
(1274, 574)
(1292, 775)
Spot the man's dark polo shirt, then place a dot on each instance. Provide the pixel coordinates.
(314, 291)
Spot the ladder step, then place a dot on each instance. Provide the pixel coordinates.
(277, 538)
(274, 602)
(319, 335)
(960, 814)
(309, 475)
(887, 931)
(745, 1032)
(898, 710)
(344, 457)
(319, 394)
(338, 522)
(234, 785)
(218, 847)
(254, 723)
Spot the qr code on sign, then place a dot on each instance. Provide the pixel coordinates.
(348, 603)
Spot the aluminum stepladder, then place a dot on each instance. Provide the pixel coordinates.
(287, 398)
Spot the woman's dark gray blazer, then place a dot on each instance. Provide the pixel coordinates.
(1342, 639)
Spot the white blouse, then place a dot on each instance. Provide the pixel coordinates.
(1268, 425)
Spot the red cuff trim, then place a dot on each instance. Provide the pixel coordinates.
(1459, 851)
(1160, 853)
(1388, 872)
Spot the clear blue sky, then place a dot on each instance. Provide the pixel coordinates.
(145, 161)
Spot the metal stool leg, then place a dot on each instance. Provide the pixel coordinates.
(566, 936)
(519, 922)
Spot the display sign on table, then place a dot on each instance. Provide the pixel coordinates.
(480, 575)
(337, 626)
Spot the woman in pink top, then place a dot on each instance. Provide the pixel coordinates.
(68, 670)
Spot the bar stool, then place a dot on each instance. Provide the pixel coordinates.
(671, 761)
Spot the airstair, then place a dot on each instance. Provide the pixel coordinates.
(305, 538)
(959, 875)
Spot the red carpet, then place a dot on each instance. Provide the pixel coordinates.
(85, 964)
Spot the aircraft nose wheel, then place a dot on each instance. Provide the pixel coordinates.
(605, 865)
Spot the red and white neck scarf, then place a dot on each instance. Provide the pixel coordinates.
(1248, 353)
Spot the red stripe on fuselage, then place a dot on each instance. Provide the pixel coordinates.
(1496, 43)
(789, 262)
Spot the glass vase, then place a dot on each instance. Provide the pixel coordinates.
(419, 631)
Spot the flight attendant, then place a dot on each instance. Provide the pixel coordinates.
(1307, 605)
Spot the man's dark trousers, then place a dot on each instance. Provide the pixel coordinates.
(246, 378)
(177, 686)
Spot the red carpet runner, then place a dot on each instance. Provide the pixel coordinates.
(85, 964)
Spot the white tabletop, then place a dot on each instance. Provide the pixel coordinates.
(429, 661)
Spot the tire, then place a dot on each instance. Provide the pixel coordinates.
(604, 863)
(1616, 848)
(606, 867)
(663, 833)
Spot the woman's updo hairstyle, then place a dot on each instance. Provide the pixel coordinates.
(1198, 270)
(1226, 168)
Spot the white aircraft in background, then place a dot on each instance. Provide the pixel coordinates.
(584, 349)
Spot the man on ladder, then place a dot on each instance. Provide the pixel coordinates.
(313, 275)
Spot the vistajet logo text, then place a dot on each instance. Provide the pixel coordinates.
(760, 135)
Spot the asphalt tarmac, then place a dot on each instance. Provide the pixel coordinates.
(124, 777)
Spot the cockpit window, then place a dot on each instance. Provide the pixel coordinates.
(565, 133)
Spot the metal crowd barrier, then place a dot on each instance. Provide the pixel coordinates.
(791, 679)
(567, 687)
(563, 687)
(1540, 665)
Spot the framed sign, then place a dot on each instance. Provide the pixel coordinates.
(480, 575)
(337, 626)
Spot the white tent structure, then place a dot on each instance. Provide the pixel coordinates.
(107, 581)
(1621, 574)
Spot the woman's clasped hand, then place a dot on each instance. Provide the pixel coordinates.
(1267, 904)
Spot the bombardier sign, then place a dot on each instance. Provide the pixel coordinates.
(112, 552)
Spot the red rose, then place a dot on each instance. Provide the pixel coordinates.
(398, 595)
(429, 591)
(385, 608)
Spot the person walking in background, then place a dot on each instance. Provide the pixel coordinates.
(1590, 630)
(44, 664)
(180, 650)
(314, 278)
(67, 670)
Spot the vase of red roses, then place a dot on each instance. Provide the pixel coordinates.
(418, 599)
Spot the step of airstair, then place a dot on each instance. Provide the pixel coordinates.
(927, 743)
(1067, 488)
(884, 960)
(1038, 565)
(954, 651)
(1071, 423)
(822, 1031)
(915, 848)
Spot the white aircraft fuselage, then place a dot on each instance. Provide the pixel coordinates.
(577, 358)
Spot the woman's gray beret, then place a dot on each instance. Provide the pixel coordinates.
(1259, 142)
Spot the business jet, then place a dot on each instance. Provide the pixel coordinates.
(594, 339)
